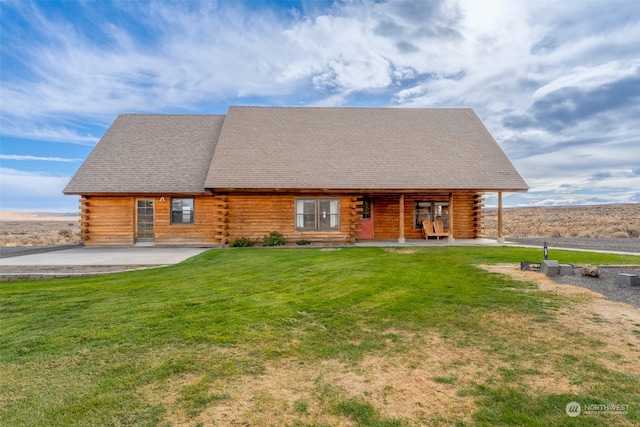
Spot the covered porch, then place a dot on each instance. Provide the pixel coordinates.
(399, 216)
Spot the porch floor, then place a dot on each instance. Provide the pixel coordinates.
(430, 242)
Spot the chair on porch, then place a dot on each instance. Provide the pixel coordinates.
(434, 229)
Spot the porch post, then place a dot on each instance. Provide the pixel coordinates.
(500, 225)
(401, 238)
(451, 238)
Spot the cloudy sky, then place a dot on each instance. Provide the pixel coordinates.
(556, 82)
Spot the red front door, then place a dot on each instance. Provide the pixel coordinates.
(366, 221)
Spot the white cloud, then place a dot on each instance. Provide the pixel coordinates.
(27, 129)
(499, 57)
(37, 158)
(34, 191)
(589, 78)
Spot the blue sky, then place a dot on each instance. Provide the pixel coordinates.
(556, 82)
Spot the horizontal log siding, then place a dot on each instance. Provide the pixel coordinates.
(110, 221)
(466, 215)
(107, 221)
(255, 215)
(200, 233)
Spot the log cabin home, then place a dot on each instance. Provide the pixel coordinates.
(326, 175)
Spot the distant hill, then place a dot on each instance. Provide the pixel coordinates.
(37, 216)
(566, 221)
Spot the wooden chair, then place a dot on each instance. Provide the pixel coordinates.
(434, 229)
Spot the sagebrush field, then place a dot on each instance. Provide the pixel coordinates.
(567, 221)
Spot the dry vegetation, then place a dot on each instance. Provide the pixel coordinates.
(38, 229)
(597, 221)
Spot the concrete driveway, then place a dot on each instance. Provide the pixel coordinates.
(105, 256)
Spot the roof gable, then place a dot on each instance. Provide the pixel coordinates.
(358, 148)
(145, 153)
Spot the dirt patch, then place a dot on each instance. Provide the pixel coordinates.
(410, 387)
(403, 251)
(614, 327)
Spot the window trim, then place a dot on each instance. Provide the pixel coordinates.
(172, 211)
(299, 216)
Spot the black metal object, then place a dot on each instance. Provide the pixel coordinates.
(530, 266)
(546, 251)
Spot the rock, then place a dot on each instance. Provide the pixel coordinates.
(590, 271)
(550, 267)
(627, 279)
(566, 270)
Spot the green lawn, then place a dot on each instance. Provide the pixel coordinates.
(202, 342)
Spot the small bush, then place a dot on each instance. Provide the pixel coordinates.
(273, 239)
(556, 232)
(634, 232)
(241, 242)
(303, 242)
(620, 234)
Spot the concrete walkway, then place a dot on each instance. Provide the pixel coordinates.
(105, 256)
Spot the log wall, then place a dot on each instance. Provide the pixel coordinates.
(255, 215)
(107, 221)
(111, 221)
(219, 219)
(200, 233)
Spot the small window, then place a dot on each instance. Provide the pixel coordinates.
(317, 214)
(181, 211)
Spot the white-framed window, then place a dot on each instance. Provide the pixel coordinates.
(182, 211)
(317, 214)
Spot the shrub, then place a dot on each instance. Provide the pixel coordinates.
(241, 242)
(273, 239)
(620, 234)
(633, 231)
(556, 232)
(303, 242)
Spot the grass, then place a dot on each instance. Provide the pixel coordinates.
(168, 346)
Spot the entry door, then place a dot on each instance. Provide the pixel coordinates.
(144, 229)
(366, 221)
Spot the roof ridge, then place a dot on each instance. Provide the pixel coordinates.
(345, 107)
(173, 114)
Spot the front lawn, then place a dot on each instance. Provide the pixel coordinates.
(317, 337)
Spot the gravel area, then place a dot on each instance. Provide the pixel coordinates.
(604, 284)
(631, 245)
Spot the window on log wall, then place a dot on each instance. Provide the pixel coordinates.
(317, 214)
(181, 211)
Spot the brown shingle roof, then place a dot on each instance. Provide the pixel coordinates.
(144, 153)
(358, 148)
